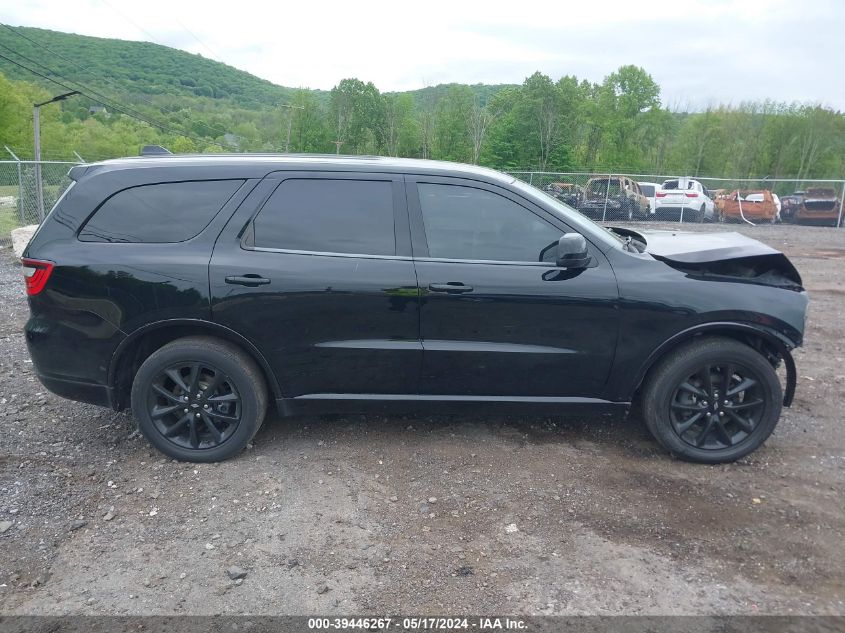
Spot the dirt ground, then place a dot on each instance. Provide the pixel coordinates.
(428, 515)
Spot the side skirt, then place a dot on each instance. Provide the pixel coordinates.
(321, 403)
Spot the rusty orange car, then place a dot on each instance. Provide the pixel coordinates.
(754, 205)
(819, 206)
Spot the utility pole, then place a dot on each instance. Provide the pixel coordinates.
(39, 186)
(290, 108)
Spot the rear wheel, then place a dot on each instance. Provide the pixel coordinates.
(713, 400)
(199, 399)
(702, 213)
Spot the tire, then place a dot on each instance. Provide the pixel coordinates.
(189, 424)
(702, 213)
(676, 392)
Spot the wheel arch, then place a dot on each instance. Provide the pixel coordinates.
(137, 346)
(768, 342)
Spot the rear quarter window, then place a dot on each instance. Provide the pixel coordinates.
(159, 213)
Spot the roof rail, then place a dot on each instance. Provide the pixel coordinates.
(155, 150)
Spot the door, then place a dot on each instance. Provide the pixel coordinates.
(316, 271)
(495, 319)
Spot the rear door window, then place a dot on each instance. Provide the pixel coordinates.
(329, 216)
(159, 213)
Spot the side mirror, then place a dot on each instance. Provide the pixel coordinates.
(572, 251)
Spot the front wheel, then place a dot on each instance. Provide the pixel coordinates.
(199, 399)
(713, 400)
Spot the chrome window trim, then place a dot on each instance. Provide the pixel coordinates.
(287, 251)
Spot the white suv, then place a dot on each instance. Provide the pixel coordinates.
(684, 199)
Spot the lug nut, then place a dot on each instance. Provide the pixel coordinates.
(727, 402)
(186, 410)
(198, 415)
(721, 413)
(205, 406)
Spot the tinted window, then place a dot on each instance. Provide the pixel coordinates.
(165, 212)
(337, 216)
(468, 223)
(647, 190)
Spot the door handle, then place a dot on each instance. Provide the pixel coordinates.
(453, 287)
(250, 280)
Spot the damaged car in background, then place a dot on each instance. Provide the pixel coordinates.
(566, 192)
(820, 205)
(759, 205)
(614, 198)
(200, 290)
(790, 205)
(683, 199)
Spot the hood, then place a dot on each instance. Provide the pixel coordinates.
(722, 256)
(694, 248)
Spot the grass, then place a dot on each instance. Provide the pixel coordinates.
(8, 220)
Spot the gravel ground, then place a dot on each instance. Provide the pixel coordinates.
(427, 515)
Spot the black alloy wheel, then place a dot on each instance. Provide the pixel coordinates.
(712, 400)
(194, 405)
(717, 407)
(199, 399)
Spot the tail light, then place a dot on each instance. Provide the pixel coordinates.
(692, 195)
(36, 273)
(660, 194)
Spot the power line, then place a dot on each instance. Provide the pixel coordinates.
(208, 126)
(153, 39)
(150, 35)
(85, 93)
(128, 19)
(203, 44)
(91, 94)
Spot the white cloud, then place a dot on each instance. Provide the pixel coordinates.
(699, 51)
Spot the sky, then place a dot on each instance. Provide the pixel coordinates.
(702, 53)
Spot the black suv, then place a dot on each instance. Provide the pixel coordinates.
(196, 289)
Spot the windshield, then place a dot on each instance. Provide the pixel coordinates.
(601, 188)
(676, 184)
(569, 215)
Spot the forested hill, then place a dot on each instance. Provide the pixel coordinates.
(119, 67)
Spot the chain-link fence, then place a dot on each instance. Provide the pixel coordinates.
(20, 203)
(639, 197)
(603, 197)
